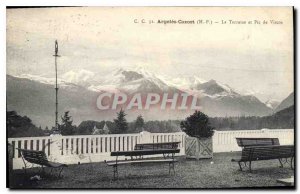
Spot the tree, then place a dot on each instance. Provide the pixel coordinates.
(66, 128)
(120, 123)
(197, 125)
(21, 126)
(47, 131)
(139, 123)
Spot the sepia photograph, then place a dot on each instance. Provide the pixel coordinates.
(150, 97)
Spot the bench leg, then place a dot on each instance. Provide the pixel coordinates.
(60, 171)
(281, 164)
(115, 169)
(286, 161)
(42, 170)
(25, 167)
(245, 165)
(241, 169)
(250, 167)
(25, 174)
(25, 170)
(171, 167)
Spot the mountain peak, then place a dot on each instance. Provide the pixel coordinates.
(80, 77)
(212, 81)
(287, 102)
(212, 87)
(272, 103)
(131, 76)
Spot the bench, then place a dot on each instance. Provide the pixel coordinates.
(164, 145)
(246, 142)
(139, 160)
(39, 158)
(270, 152)
(156, 146)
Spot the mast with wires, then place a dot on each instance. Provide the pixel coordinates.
(56, 86)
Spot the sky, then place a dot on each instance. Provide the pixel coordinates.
(251, 58)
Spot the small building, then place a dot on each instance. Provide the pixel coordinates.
(104, 130)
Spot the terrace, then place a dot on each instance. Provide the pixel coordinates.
(92, 172)
(189, 174)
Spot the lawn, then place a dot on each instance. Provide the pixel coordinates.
(218, 172)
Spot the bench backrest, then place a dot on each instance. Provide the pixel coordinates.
(145, 152)
(33, 156)
(267, 152)
(246, 142)
(155, 146)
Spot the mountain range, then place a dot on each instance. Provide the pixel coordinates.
(34, 96)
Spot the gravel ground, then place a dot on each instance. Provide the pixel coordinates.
(218, 172)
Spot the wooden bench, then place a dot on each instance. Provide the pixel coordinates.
(247, 142)
(156, 146)
(40, 158)
(256, 153)
(139, 159)
(153, 146)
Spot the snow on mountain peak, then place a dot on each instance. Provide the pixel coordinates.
(213, 89)
(272, 103)
(80, 77)
(130, 80)
(62, 82)
(196, 80)
(139, 80)
(44, 80)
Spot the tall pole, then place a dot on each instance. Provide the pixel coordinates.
(56, 86)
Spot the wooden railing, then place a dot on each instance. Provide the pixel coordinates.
(224, 141)
(97, 148)
(88, 148)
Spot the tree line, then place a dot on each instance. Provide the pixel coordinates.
(283, 119)
(22, 126)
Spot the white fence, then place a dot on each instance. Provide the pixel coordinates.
(224, 141)
(97, 148)
(88, 148)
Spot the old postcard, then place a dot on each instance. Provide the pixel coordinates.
(150, 97)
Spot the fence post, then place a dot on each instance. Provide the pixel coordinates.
(265, 133)
(145, 137)
(56, 148)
